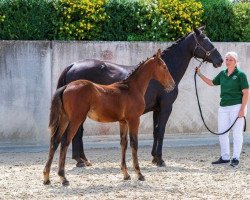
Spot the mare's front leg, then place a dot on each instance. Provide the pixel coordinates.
(159, 131)
(124, 144)
(155, 126)
(133, 134)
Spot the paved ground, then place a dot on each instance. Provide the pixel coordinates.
(112, 141)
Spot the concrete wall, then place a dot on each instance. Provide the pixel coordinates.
(25, 82)
(29, 71)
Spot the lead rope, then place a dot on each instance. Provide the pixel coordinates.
(215, 133)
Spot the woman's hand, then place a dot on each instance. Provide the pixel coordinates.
(204, 78)
(197, 70)
(241, 113)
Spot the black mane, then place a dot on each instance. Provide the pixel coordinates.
(176, 42)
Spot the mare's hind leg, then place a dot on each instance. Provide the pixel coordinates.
(54, 142)
(124, 144)
(133, 134)
(66, 139)
(78, 149)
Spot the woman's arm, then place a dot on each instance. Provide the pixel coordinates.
(204, 78)
(244, 102)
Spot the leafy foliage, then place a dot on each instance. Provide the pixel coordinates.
(27, 19)
(242, 21)
(124, 20)
(80, 19)
(181, 16)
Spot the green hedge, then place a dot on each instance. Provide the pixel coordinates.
(125, 20)
(79, 19)
(226, 21)
(27, 20)
(134, 21)
(218, 16)
(242, 22)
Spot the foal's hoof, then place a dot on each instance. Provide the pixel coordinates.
(127, 177)
(87, 163)
(141, 178)
(65, 183)
(46, 182)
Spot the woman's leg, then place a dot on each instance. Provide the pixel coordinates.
(237, 131)
(223, 124)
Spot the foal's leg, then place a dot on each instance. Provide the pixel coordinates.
(66, 139)
(124, 144)
(54, 142)
(133, 134)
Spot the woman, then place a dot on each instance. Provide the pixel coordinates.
(233, 104)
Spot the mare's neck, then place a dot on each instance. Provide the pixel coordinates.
(177, 59)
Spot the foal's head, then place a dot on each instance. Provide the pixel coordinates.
(162, 74)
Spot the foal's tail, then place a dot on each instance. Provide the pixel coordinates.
(58, 117)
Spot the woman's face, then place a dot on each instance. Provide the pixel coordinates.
(230, 61)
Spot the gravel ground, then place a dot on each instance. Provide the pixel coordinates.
(188, 175)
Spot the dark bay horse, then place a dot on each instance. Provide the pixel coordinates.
(122, 101)
(177, 58)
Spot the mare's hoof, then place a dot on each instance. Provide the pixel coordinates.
(46, 182)
(161, 163)
(65, 183)
(141, 178)
(158, 162)
(127, 177)
(80, 164)
(154, 161)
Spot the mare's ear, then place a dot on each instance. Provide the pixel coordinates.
(202, 28)
(158, 55)
(196, 31)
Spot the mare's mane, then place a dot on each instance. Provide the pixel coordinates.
(176, 42)
(131, 74)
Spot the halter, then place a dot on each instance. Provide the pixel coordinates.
(207, 53)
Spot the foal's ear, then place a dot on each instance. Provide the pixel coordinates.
(158, 55)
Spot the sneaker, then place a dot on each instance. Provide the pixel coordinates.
(220, 161)
(234, 162)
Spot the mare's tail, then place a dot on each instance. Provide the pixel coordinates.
(62, 79)
(58, 120)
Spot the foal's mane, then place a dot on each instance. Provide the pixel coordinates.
(133, 72)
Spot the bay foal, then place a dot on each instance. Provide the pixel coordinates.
(122, 101)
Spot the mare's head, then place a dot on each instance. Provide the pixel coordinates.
(161, 72)
(204, 49)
